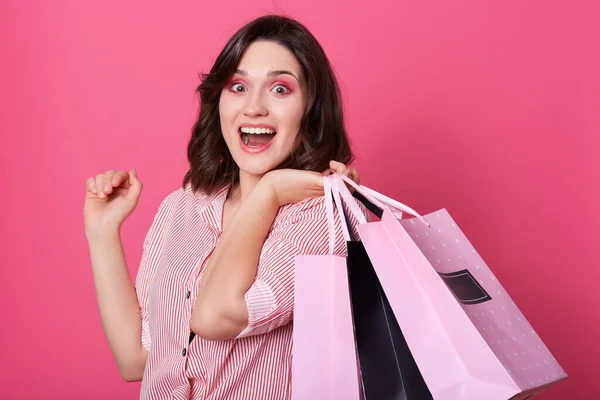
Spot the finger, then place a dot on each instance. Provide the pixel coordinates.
(90, 185)
(99, 183)
(327, 172)
(337, 166)
(106, 186)
(120, 179)
(354, 176)
(135, 185)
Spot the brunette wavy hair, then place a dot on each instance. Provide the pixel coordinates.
(322, 136)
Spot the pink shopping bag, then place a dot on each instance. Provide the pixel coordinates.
(469, 339)
(324, 364)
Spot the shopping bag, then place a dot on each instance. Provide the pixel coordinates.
(388, 370)
(466, 334)
(324, 364)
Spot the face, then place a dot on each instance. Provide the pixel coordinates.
(262, 106)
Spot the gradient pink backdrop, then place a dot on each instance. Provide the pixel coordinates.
(489, 110)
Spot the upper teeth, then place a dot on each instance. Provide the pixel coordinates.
(257, 130)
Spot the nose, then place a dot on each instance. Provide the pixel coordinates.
(256, 105)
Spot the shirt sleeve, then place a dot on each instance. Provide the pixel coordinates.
(148, 266)
(270, 299)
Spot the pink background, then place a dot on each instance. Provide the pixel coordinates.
(489, 110)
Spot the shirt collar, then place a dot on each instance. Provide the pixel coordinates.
(210, 207)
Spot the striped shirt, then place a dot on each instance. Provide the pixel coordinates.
(256, 364)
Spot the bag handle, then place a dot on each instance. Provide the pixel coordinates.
(370, 206)
(380, 200)
(340, 209)
(339, 188)
(376, 207)
(329, 209)
(330, 195)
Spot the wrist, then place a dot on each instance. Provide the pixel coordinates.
(267, 187)
(102, 233)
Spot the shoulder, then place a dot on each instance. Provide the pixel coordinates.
(303, 225)
(184, 195)
(311, 209)
(176, 199)
(310, 205)
(173, 197)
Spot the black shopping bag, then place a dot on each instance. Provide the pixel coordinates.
(388, 370)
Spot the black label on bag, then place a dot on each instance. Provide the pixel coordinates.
(465, 287)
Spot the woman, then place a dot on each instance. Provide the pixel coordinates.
(210, 314)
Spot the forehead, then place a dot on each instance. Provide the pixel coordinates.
(260, 57)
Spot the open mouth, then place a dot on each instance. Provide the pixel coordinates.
(256, 138)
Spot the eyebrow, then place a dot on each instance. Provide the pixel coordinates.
(270, 74)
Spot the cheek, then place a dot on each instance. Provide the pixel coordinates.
(226, 118)
(290, 114)
(227, 106)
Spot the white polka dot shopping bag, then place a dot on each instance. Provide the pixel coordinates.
(467, 336)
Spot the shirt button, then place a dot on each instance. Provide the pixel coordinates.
(187, 295)
(184, 352)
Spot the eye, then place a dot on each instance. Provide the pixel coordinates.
(238, 88)
(280, 89)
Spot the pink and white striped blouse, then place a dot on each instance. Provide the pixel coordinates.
(255, 365)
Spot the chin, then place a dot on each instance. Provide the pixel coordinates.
(256, 167)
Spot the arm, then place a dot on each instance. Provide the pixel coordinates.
(221, 311)
(119, 309)
(247, 287)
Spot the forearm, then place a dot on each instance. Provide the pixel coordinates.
(117, 301)
(220, 311)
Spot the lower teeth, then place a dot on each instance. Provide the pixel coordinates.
(245, 139)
